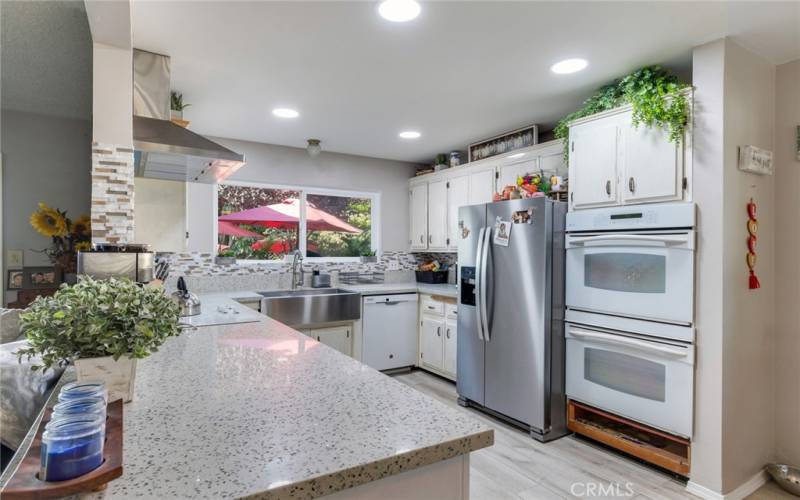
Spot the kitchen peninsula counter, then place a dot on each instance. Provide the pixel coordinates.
(259, 410)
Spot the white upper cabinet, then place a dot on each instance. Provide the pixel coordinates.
(611, 162)
(653, 166)
(418, 201)
(507, 174)
(457, 196)
(593, 160)
(437, 215)
(481, 186)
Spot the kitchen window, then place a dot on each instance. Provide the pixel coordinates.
(259, 222)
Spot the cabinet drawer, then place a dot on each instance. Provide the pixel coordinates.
(451, 311)
(431, 306)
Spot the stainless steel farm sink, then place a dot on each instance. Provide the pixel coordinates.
(299, 308)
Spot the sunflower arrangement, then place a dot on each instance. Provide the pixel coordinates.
(67, 236)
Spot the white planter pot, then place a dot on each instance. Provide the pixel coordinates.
(118, 375)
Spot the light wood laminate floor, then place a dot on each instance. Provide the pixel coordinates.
(518, 467)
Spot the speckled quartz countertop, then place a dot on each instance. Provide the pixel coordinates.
(259, 409)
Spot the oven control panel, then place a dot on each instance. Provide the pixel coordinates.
(634, 217)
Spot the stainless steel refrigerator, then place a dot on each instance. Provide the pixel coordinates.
(511, 313)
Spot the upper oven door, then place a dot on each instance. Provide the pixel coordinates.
(641, 275)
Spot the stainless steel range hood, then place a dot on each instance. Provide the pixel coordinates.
(162, 149)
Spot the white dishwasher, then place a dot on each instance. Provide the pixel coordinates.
(389, 331)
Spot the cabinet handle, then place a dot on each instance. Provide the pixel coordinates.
(431, 308)
(608, 188)
(631, 185)
(448, 333)
(430, 238)
(421, 238)
(438, 331)
(348, 334)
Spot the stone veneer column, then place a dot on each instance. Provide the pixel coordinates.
(112, 193)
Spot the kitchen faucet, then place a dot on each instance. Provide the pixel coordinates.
(297, 258)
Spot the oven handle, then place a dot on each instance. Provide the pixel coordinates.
(684, 241)
(642, 345)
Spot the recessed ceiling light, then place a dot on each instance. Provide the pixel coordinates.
(285, 113)
(568, 66)
(399, 11)
(516, 155)
(409, 134)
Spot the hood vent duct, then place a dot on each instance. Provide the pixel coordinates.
(162, 149)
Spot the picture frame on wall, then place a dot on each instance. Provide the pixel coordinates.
(40, 277)
(15, 279)
(504, 143)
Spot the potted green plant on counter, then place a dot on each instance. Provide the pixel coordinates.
(368, 256)
(102, 327)
(226, 257)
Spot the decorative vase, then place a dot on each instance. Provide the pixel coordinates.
(178, 115)
(369, 258)
(119, 375)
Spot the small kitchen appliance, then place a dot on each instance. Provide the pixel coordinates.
(132, 261)
(188, 302)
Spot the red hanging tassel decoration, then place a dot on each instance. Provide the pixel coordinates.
(752, 229)
(754, 281)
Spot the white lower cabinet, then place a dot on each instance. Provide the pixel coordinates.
(438, 336)
(337, 337)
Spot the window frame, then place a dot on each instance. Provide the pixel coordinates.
(375, 236)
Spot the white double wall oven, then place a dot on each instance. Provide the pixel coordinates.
(630, 310)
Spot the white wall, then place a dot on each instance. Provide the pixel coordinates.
(787, 264)
(293, 166)
(112, 96)
(735, 105)
(160, 214)
(708, 70)
(748, 430)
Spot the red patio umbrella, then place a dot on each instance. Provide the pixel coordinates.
(230, 229)
(262, 216)
(287, 215)
(316, 219)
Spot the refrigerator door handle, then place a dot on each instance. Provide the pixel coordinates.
(484, 315)
(479, 255)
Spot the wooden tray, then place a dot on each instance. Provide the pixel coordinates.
(25, 483)
(642, 441)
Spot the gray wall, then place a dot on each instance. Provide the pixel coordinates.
(284, 165)
(47, 159)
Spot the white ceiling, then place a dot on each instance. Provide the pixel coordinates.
(458, 73)
(46, 61)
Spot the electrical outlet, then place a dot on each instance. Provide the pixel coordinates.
(393, 265)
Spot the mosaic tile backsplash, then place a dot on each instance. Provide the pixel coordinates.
(203, 275)
(112, 193)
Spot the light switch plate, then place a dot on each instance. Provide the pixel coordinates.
(14, 259)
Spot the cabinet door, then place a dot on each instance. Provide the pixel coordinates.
(437, 215)
(508, 173)
(431, 344)
(457, 196)
(653, 166)
(593, 163)
(419, 216)
(450, 344)
(481, 186)
(339, 337)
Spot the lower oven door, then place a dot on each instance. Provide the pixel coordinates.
(648, 381)
(642, 275)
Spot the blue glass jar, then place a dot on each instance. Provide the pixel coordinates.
(83, 390)
(71, 447)
(95, 406)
